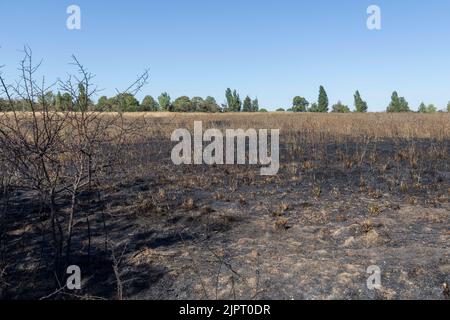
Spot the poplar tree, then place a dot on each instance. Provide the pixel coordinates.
(360, 104)
(322, 103)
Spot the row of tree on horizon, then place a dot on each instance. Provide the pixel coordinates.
(126, 102)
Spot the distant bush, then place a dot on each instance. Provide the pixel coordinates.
(340, 108)
(427, 109)
(314, 108)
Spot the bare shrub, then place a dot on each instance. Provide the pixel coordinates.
(58, 154)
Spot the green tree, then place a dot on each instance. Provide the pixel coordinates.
(398, 104)
(431, 108)
(427, 109)
(67, 103)
(247, 105)
(83, 102)
(211, 105)
(197, 104)
(263, 110)
(125, 102)
(182, 104)
(58, 100)
(448, 107)
(299, 104)
(422, 108)
(360, 104)
(255, 105)
(229, 98)
(314, 107)
(322, 103)
(149, 104)
(48, 99)
(340, 108)
(103, 104)
(281, 110)
(63, 102)
(165, 102)
(3, 105)
(234, 103)
(237, 106)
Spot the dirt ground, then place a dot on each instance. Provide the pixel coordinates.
(225, 232)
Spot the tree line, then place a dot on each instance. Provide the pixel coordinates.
(127, 102)
(397, 104)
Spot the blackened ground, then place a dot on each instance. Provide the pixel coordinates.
(225, 232)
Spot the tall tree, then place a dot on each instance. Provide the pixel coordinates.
(67, 103)
(448, 107)
(299, 104)
(149, 104)
(211, 105)
(3, 105)
(422, 108)
(398, 104)
(198, 104)
(164, 102)
(48, 99)
(103, 104)
(322, 103)
(229, 98)
(360, 104)
(237, 102)
(83, 101)
(431, 108)
(58, 101)
(125, 102)
(255, 105)
(427, 109)
(183, 104)
(234, 103)
(63, 102)
(247, 105)
(314, 107)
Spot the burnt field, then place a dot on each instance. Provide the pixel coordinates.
(352, 191)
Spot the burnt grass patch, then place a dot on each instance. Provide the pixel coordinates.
(157, 231)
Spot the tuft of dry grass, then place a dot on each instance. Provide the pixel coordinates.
(281, 224)
(189, 204)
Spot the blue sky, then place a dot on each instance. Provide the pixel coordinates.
(274, 50)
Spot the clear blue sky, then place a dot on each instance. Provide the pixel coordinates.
(270, 49)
